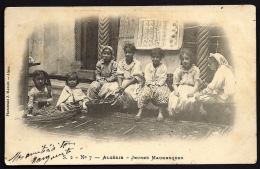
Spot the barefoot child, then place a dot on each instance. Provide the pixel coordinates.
(185, 84)
(155, 88)
(129, 79)
(71, 96)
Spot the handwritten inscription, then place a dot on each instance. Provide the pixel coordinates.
(46, 153)
(64, 151)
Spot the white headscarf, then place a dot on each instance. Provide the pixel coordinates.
(220, 59)
(111, 49)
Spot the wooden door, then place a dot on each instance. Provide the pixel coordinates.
(89, 42)
(88, 46)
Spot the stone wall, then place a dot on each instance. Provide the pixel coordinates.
(128, 26)
(53, 45)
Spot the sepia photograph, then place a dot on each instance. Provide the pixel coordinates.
(130, 85)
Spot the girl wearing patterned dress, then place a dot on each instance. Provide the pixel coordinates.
(40, 96)
(129, 77)
(155, 88)
(105, 75)
(185, 84)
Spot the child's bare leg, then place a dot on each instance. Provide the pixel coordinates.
(143, 100)
(138, 116)
(160, 115)
(201, 109)
(140, 111)
(170, 112)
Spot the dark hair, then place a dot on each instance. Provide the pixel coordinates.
(41, 73)
(158, 51)
(131, 47)
(71, 74)
(189, 52)
(47, 81)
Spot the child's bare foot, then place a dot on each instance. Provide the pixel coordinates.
(202, 111)
(160, 115)
(160, 119)
(138, 116)
(170, 114)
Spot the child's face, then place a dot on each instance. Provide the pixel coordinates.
(186, 61)
(156, 59)
(106, 55)
(212, 64)
(129, 55)
(72, 81)
(39, 80)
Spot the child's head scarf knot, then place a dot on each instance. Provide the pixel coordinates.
(220, 59)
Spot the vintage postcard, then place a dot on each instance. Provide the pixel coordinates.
(130, 85)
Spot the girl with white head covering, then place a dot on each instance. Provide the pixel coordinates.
(222, 87)
(106, 74)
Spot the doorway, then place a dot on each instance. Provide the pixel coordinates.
(86, 33)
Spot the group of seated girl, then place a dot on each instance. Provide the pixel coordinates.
(135, 88)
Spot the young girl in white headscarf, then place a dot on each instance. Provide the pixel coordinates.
(222, 87)
(105, 74)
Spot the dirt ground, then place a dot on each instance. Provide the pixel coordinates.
(106, 123)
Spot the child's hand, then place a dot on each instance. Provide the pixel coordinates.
(102, 81)
(30, 106)
(120, 90)
(42, 100)
(204, 91)
(81, 104)
(190, 95)
(176, 93)
(197, 96)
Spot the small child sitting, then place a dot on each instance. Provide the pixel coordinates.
(40, 94)
(71, 96)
